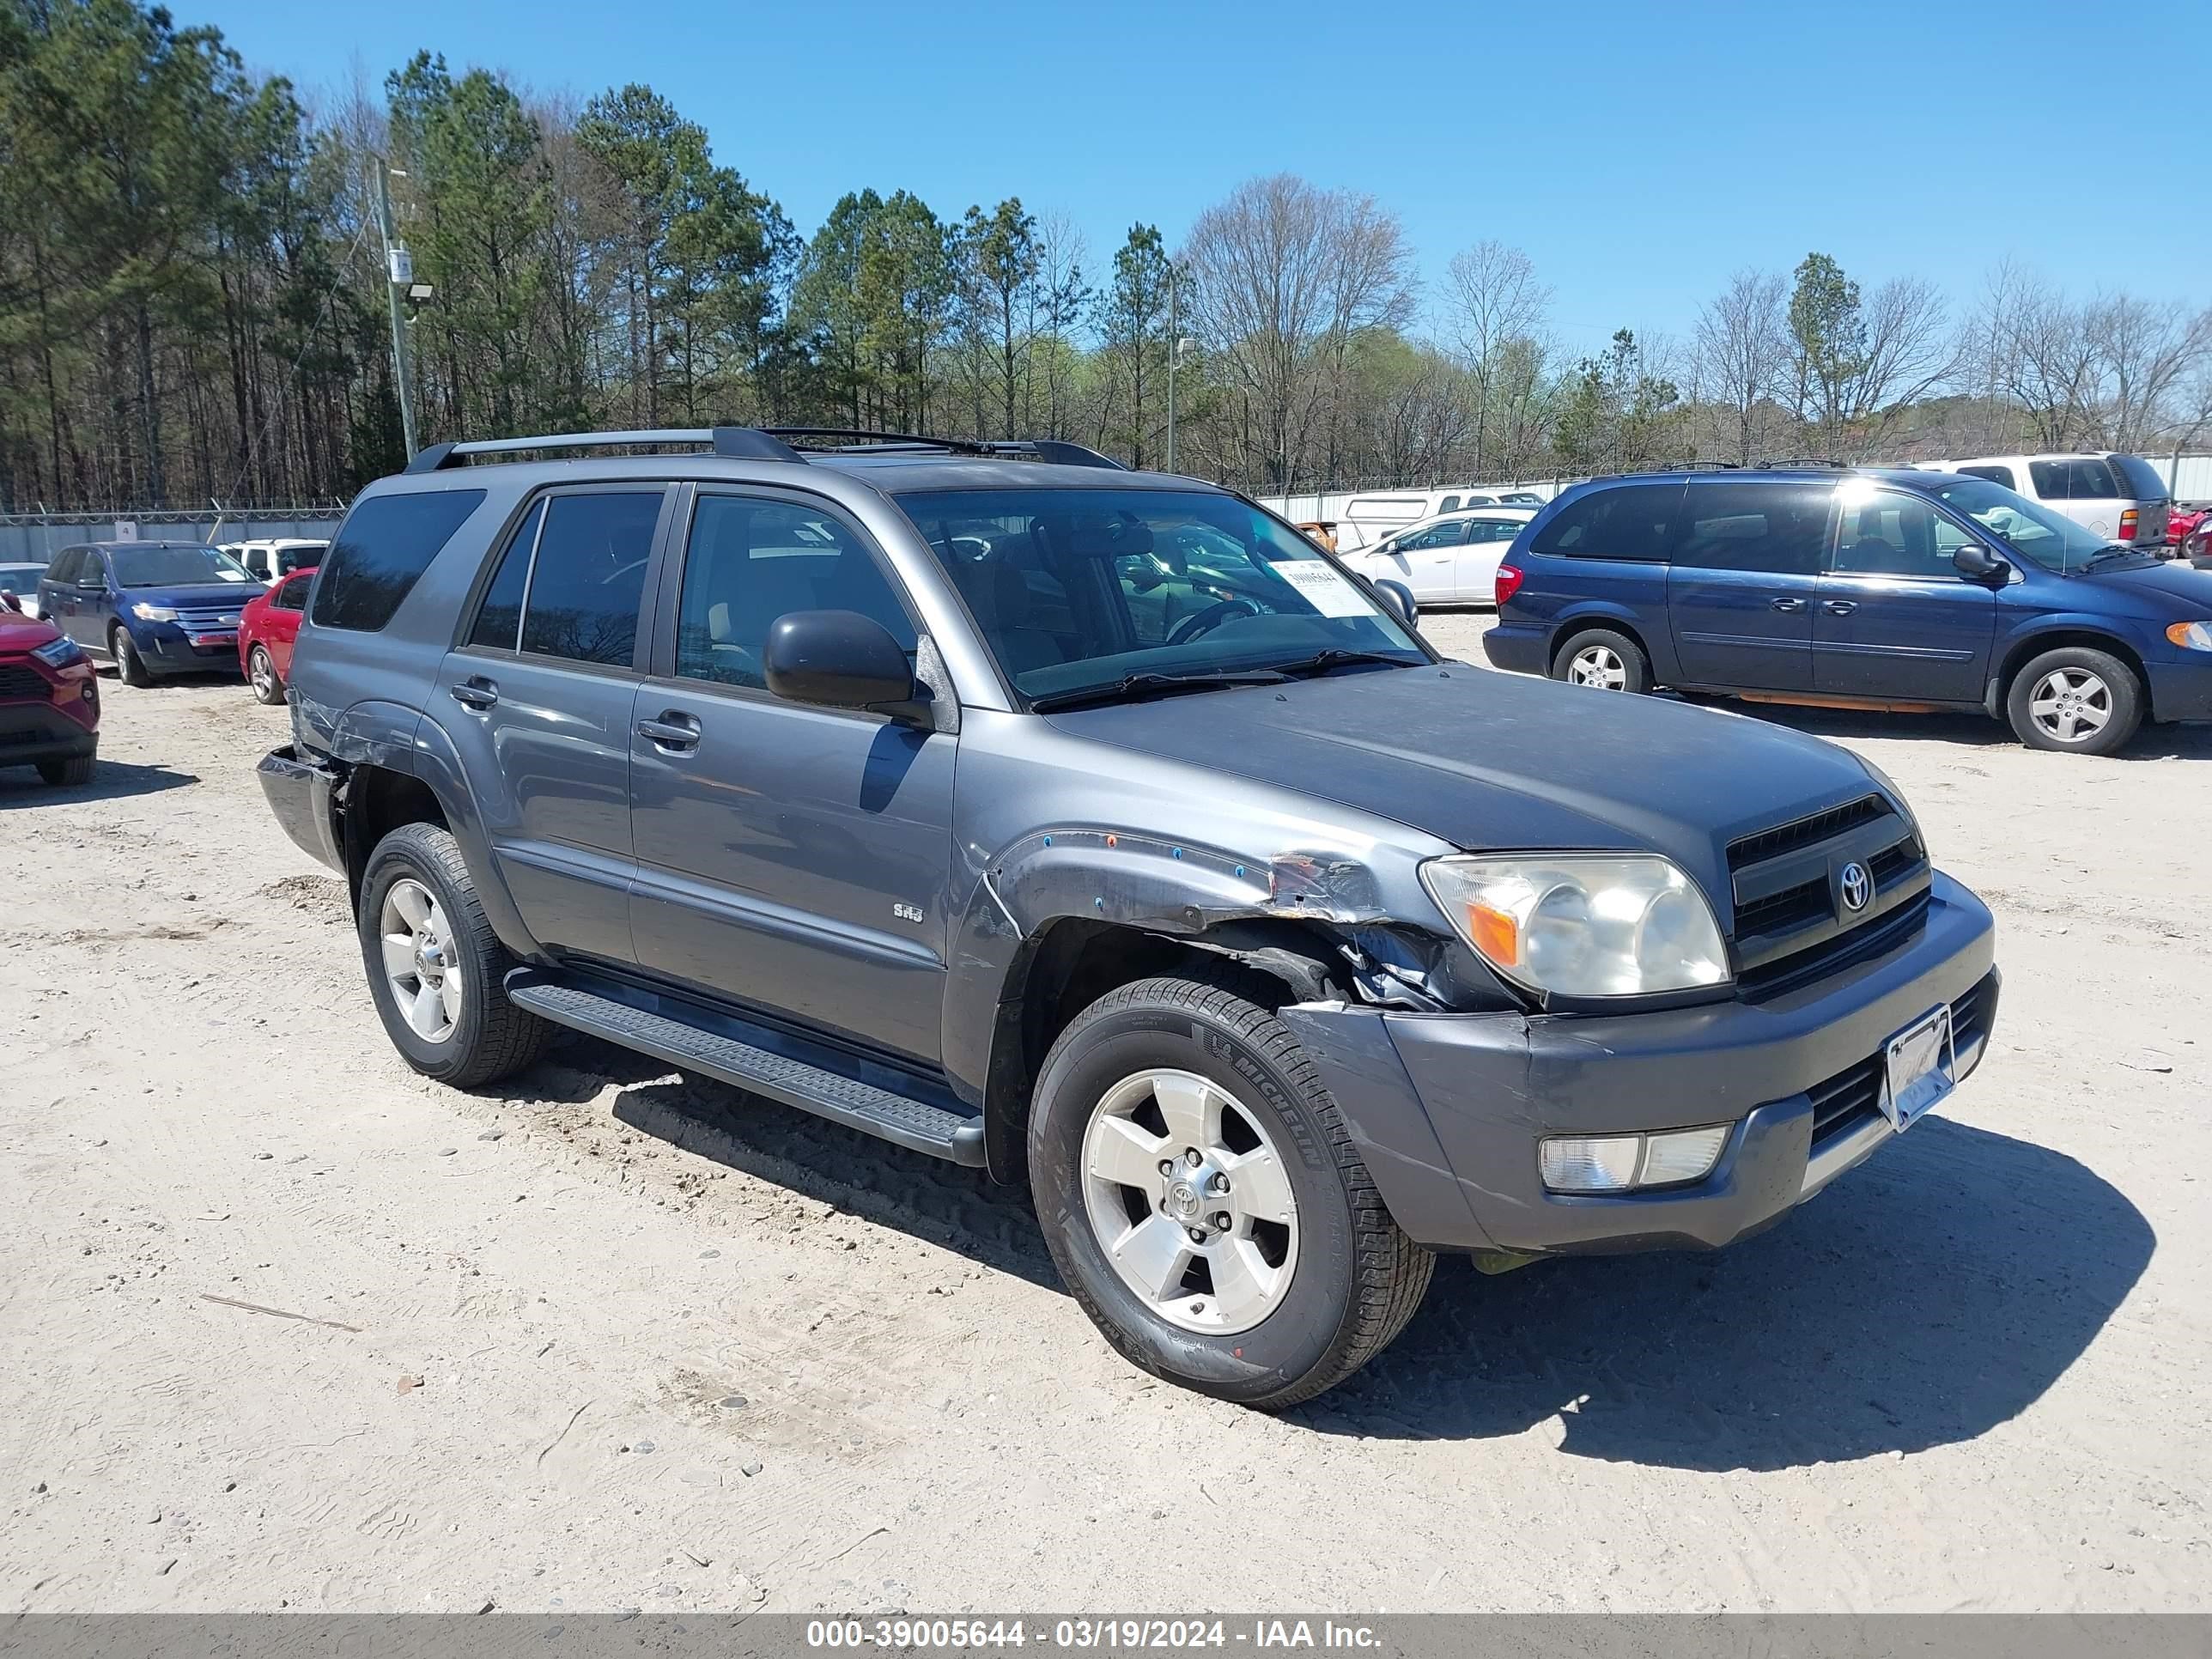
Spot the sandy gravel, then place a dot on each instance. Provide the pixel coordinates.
(282, 1325)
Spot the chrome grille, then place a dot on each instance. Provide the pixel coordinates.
(1789, 923)
(208, 618)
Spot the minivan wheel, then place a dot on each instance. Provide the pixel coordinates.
(2075, 700)
(1204, 1201)
(261, 674)
(436, 970)
(130, 666)
(1603, 659)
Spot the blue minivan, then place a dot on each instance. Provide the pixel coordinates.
(149, 607)
(1871, 588)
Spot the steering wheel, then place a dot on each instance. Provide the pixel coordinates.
(1205, 621)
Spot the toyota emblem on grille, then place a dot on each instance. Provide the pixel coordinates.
(1855, 886)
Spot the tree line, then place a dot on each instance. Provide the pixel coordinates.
(193, 308)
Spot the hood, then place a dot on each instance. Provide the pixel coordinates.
(231, 596)
(20, 632)
(2188, 588)
(1496, 762)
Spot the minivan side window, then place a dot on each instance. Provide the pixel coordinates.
(1996, 475)
(64, 568)
(1886, 533)
(1778, 529)
(1630, 521)
(752, 561)
(381, 551)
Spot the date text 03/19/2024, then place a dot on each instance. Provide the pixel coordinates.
(1085, 1635)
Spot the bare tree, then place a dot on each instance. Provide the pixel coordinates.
(1498, 304)
(2038, 358)
(1742, 359)
(2143, 352)
(1281, 276)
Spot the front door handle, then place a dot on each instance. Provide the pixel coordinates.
(1787, 604)
(1841, 607)
(476, 692)
(675, 731)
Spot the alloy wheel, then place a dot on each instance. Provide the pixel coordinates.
(1600, 666)
(1190, 1200)
(2070, 705)
(419, 959)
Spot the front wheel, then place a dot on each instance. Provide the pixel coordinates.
(2075, 700)
(1602, 658)
(1204, 1201)
(436, 970)
(130, 666)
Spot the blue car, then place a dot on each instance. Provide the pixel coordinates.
(1864, 588)
(149, 608)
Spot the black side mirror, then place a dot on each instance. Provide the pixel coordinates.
(839, 659)
(1399, 598)
(1978, 563)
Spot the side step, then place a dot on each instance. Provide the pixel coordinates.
(749, 1056)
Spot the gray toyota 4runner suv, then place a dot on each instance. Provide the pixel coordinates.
(1094, 828)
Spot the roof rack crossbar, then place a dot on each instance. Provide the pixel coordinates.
(741, 442)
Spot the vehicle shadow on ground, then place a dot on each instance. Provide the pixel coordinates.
(111, 781)
(1926, 1297)
(1965, 731)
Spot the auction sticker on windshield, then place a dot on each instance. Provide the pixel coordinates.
(1325, 587)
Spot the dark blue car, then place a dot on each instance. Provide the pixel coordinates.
(1864, 588)
(149, 607)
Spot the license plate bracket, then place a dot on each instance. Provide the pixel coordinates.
(1920, 1066)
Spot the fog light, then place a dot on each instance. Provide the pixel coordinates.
(1591, 1163)
(1620, 1164)
(1681, 1155)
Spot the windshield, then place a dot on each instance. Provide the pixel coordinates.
(1080, 588)
(178, 566)
(2051, 539)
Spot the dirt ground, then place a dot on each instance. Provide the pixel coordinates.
(282, 1325)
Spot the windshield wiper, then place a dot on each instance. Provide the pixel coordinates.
(1153, 683)
(2111, 550)
(1338, 657)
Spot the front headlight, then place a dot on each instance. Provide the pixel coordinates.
(2191, 636)
(146, 612)
(58, 654)
(1582, 924)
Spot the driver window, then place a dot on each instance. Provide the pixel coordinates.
(752, 562)
(1894, 535)
(588, 578)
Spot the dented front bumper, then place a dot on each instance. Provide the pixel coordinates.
(1448, 1109)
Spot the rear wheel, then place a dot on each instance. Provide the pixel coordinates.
(261, 674)
(130, 666)
(61, 773)
(2075, 700)
(1601, 657)
(1204, 1201)
(436, 970)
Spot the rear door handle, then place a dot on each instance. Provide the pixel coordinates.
(477, 692)
(1787, 604)
(675, 731)
(1841, 607)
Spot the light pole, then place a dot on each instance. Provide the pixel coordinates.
(399, 273)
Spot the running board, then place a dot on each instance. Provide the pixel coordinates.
(749, 1056)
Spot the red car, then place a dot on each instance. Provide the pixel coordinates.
(266, 628)
(2181, 521)
(49, 699)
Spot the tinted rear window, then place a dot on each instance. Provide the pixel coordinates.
(381, 551)
(1775, 528)
(2137, 479)
(1996, 475)
(2085, 480)
(1629, 521)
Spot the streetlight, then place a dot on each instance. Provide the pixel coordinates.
(1179, 347)
(398, 274)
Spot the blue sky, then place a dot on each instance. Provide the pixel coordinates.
(1639, 153)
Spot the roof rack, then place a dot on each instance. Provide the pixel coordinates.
(768, 444)
(1821, 461)
(739, 442)
(862, 441)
